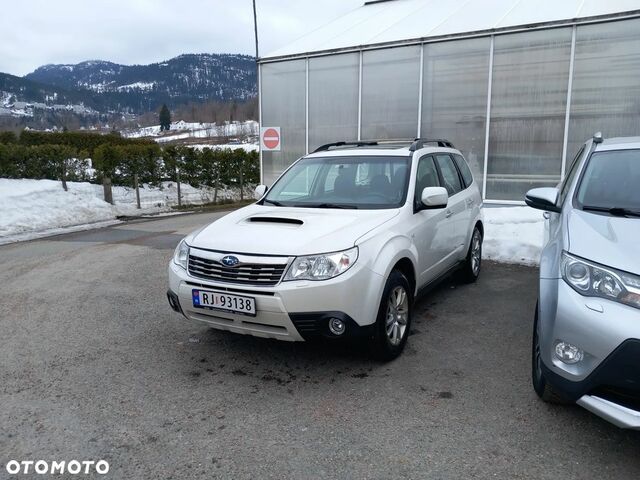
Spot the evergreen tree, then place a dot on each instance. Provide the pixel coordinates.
(165, 118)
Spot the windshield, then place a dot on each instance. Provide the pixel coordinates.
(366, 182)
(611, 182)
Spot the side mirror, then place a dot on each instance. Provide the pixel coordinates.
(434, 197)
(260, 191)
(543, 199)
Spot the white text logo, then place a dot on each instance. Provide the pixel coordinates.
(72, 467)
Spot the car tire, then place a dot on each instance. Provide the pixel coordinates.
(542, 388)
(394, 318)
(470, 270)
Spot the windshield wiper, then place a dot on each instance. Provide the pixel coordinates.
(615, 211)
(272, 202)
(326, 205)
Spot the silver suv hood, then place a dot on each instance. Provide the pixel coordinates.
(288, 231)
(608, 240)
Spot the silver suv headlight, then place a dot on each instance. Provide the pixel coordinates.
(595, 280)
(322, 266)
(181, 254)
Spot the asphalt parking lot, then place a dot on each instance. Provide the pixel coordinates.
(95, 365)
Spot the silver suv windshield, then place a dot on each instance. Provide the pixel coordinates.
(363, 182)
(611, 183)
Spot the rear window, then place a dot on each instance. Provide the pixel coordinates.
(464, 169)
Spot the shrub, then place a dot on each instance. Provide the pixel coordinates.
(64, 155)
(8, 138)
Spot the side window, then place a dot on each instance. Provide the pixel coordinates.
(426, 176)
(573, 169)
(449, 173)
(464, 169)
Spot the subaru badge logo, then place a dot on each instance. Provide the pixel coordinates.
(230, 261)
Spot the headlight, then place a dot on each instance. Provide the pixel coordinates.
(181, 254)
(322, 266)
(594, 280)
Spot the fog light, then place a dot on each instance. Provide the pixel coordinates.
(336, 326)
(568, 353)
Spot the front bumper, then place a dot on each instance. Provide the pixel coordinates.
(612, 390)
(619, 415)
(291, 311)
(607, 380)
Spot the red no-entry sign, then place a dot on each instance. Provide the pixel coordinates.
(270, 138)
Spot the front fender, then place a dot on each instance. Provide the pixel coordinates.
(384, 252)
(551, 254)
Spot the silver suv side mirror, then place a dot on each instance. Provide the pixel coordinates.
(543, 199)
(434, 197)
(260, 191)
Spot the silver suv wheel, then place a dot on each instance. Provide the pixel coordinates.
(397, 315)
(476, 252)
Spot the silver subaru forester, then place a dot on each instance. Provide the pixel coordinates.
(586, 335)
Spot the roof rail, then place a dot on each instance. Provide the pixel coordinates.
(386, 142)
(363, 143)
(419, 143)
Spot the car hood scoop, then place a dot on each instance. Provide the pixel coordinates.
(275, 220)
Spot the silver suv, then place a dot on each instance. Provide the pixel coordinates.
(586, 336)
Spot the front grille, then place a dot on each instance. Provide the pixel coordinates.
(231, 289)
(243, 273)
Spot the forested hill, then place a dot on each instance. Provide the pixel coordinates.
(110, 87)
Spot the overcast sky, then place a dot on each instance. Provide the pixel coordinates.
(37, 32)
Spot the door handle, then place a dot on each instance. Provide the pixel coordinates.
(448, 213)
(546, 215)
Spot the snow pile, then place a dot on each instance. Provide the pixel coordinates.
(513, 234)
(29, 206)
(33, 205)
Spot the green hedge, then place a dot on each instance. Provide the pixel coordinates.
(212, 167)
(55, 156)
(52, 162)
(85, 141)
(8, 137)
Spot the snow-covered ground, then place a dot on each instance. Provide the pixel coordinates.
(513, 234)
(30, 207)
(143, 86)
(181, 130)
(247, 147)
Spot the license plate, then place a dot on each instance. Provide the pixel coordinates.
(224, 301)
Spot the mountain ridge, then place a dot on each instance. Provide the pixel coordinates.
(110, 87)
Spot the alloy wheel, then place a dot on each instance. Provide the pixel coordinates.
(537, 360)
(397, 315)
(476, 252)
